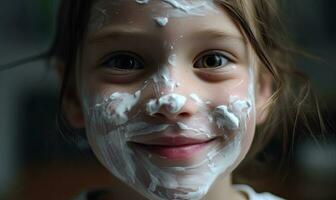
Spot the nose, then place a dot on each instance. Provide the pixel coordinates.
(172, 102)
(171, 107)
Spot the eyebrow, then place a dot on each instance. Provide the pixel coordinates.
(131, 31)
(117, 32)
(217, 34)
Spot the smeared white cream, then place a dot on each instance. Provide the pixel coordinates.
(162, 81)
(175, 8)
(196, 7)
(172, 60)
(161, 21)
(198, 131)
(117, 105)
(123, 120)
(240, 106)
(124, 163)
(115, 153)
(141, 128)
(196, 98)
(225, 118)
(142, 1)
(172, 102)
(102, 17)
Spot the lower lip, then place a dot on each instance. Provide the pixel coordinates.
(176, 152)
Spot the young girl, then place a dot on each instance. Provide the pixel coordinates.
(170, 92)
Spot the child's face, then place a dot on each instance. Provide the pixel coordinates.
(167, 93)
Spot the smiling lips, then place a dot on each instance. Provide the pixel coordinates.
(174, 148)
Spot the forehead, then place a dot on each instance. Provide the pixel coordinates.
(161, 18)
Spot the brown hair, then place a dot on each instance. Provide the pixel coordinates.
(260, 22)
(292, 102)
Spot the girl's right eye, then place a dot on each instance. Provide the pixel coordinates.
(123, 62)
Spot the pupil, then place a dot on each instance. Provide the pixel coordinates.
(126, 62)
(213, 61)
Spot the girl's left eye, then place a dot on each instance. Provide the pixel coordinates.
(212, 61)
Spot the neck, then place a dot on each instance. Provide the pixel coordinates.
(222, 189)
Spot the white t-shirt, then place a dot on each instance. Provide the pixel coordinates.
(251, 194)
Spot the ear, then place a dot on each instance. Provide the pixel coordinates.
(264, 91)
(71, 106)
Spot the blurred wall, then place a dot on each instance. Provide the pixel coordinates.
(25, 29)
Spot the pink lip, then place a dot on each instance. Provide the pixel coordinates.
(175, 148)
(172, 141)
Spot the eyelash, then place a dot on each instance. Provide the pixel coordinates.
(135, 61)
(201, 60)
(121, 65)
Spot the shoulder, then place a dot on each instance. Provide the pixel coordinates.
(252, 195)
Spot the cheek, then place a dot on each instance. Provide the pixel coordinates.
(238, 89)
(223, 93)
(249, 135)
(244, 136)
(97, 88)
(239, 85)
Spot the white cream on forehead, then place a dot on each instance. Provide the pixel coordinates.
(173, 9)
(194, 7)
(142, 1)
(161, 21)
(183, 8)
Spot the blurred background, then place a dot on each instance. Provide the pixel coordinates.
(37, 162)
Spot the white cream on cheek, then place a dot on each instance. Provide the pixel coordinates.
(116, 151)
(225, 118)
(116, 106)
